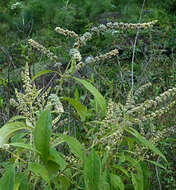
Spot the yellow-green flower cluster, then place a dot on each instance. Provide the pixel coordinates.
(81, 40)
(141, 89)
(156, 102)
(32, 101)
(130, 102)
(43, 49)
(91, 59)
(119, 116)
(26, 100)
(26, 81)
(111, 131)
(112, 139)
(71, 159)
(55, 101)
(41, 101)
(159, 112)
(138, 113)
(59, 123)
(131, 26)
(155, 136)
(75, 54)
(110, 26)
(6, 146)
(21, 104)
(66, 32)
(108, 55)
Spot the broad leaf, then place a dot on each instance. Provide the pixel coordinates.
(57, 157)
(52, 168)
(24, 183)
(20, 180)
(64, 182)
(75, 146)
(39, 170)
(98, 97)
(81, 109)
(9, 129)
(42, 133)
(92, 171)
(104, 185)
(76, 94)
(117, 182)
(7, 181)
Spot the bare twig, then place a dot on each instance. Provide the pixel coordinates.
(134, 46)
(157, 175)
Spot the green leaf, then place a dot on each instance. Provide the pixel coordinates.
(42, 73)
(24, 183)
(98, 97)
(19, 138)
(122, 158)
(52, 168)
(146, 174)
(24, 146)
(105, 159)
(123, 170)
(57, 157)
(1, 101)
(7, 181)
(19, 179)
(145, 142)
(76, 94)
(116, 182)
(39, 170)
(104, 185)
(8, 130)
(47, 188)
(130, 142)
(42, 133)
(136, 182)
(57, 141)
(72, 67)
(81, 109)
(64, 182)
(75, 146)
(92, 171)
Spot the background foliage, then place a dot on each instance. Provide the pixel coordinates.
(155, 61)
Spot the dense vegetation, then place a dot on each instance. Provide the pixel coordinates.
(87, 94)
